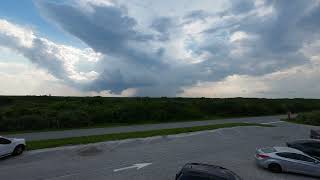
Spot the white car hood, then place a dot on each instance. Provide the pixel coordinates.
(17, 140)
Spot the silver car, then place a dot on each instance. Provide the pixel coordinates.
(285, 159)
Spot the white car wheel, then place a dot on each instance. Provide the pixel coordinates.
(18, 150)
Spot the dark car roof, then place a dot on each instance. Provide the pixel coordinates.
(305, 141)
(210, 170)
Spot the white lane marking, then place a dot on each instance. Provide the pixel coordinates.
(219, 132)
(137, 166)
(237, 131)
(273, 122)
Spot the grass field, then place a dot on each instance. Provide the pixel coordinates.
(44, 113)
(32, 145)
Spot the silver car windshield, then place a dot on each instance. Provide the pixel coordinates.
(268, 150)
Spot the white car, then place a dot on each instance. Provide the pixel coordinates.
(11, 146)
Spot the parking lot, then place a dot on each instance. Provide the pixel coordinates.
(232, 148)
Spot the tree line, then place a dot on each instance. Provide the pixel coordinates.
(47, 112)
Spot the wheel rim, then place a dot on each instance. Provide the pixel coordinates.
(19, 150)
(275, 168)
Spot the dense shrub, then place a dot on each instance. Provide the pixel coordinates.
(25, 122)
(31, 112)
(311, 118)
(69, 119)
(4, 101)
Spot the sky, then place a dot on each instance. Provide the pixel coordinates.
(182, 48)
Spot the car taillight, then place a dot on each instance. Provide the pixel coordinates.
(263, 156)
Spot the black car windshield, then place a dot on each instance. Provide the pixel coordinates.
(194, 177)
(200, 177)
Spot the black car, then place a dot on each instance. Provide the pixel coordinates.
(314, 134)
(309, 146)
(199, 171)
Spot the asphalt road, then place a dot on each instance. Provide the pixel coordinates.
(98, 131)
(232, 148)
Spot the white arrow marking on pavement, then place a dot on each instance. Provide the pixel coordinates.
(138, 166)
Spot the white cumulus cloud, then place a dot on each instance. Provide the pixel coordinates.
(59, 60)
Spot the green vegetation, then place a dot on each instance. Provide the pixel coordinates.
(31, 113)
(310, 118)
(32, 145)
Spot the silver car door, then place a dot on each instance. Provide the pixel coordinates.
(289, 163)
(306, 165)
(317, 168)
(311, 166)
(294, 166)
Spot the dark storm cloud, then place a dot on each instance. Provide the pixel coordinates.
(107, 29)
(110, 31)
(311, 21)
(242, 6)
(163, 26)
(196, 15)
(279, 38)
(273, 44)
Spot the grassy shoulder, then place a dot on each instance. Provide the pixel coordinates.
(309, 118)
(109, 125)
(32, 145)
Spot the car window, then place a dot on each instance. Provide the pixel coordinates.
(193, 177)
(4, 141)
(199, 176)
(303, 158)
(285, 155)
(295, 156)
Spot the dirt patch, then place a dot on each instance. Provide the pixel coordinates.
(89, 151)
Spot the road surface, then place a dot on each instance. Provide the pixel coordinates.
(98, 131)
(156, 158)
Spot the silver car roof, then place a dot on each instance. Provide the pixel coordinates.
(287, 149)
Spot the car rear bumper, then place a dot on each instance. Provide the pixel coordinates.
(260, 162)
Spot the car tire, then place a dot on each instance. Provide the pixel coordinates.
(18, 150)
(275, 168)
